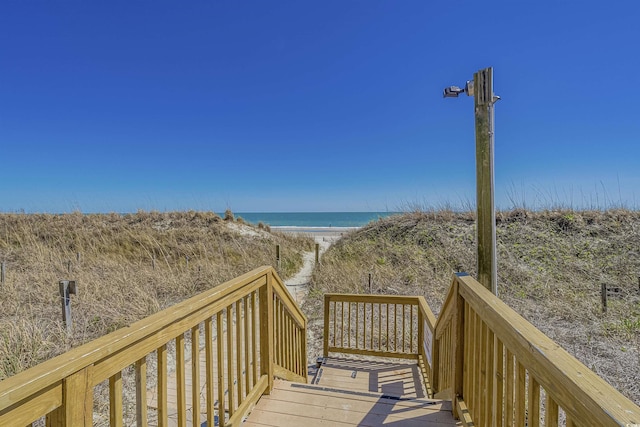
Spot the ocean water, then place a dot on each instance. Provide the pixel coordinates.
(313, 219)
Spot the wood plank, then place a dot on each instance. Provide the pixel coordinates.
(195, 376)
(180, 382)
(551, 413)
(314, 406)
(392, 299)
(28, 411)
(115, 400)
(141, 392)
(208, 340)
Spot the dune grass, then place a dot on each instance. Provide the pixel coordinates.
(126, 266)
(551, 265)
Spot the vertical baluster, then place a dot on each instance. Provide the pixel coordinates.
(533, 402)
(466, 381)
(477, 385)
(357, 323)
(115, 400)
(520, 394)
(379, 347)
(342, 324)
(395, 327)
(180, 382)
(387, 326)
(335, 323)
(498, 399)
(490, 376)
(208, 345)
(403, 329)
(550, 412)
(349, 324)
(141, 392)
(482, 409)
(220, 357)
(195, 375)
(239, 350)
(229, 358)
(247, 341)
(162, 386)
(509, 404)
(254, 340)
(411, 350)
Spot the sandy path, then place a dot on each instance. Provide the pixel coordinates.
(298, 285)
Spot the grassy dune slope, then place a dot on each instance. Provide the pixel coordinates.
(550, 268)
(117, 282)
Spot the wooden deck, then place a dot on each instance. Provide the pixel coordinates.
(346, 392)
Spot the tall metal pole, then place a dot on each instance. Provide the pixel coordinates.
(486, 217)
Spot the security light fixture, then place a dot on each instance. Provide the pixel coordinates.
(452, 92)
(455, 91)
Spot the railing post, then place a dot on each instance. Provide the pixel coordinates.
(77, 401)
(67, 288)
(325, 345)
(266, 331)
(458, 347)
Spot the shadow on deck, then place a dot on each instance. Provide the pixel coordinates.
(349, 392)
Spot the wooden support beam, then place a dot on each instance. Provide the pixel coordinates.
(486, 217)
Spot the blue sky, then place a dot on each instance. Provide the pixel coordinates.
(313, 105)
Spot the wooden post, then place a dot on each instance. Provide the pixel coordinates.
(486, 216)
(325, 340)
(458, 348)
(266, 331)
(67, 288)
(603, 294)
(69, 266)
(78, 256)
(278, 257)
(3, 269)
(153, 262)
(186, 257)
(77, 401)
(317, 252)
(369, 282)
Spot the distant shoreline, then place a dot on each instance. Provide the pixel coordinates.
(316, 232)
(312, 220)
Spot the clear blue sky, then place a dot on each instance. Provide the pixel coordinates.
(313, 105)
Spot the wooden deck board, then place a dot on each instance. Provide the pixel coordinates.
(354, 392)
(396, 378)
(311, 406)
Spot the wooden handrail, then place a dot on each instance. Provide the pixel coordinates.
(496, 364)
(380, 325)
(62, 388)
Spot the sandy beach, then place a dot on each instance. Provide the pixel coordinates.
(320, 234)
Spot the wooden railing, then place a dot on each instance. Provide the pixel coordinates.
(249, 328)
(380, 325)
(500, 370)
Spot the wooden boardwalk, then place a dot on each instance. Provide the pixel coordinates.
(348, 392)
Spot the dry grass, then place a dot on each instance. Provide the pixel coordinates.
(118, 283)
(550, 268)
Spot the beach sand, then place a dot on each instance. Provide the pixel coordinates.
(320, 234)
